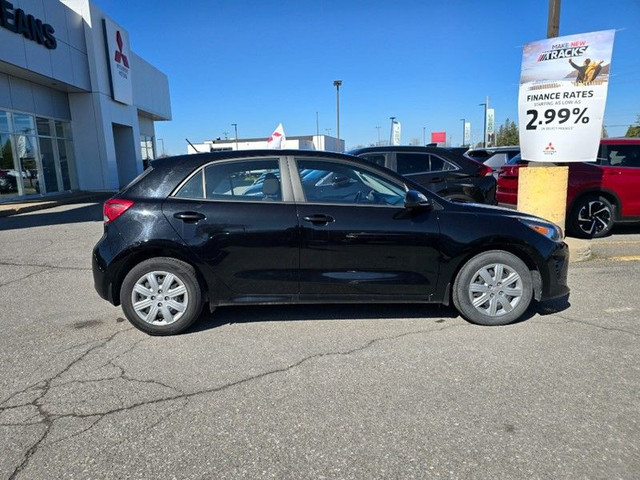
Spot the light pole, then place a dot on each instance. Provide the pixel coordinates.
(235, 126)
(393, 120)
(463, 129)
(424, 136)
(337, 83)
(484, 134)
(378, 128)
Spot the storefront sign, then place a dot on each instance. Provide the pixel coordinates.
(17, 21)
(563, 91)
(118, 59)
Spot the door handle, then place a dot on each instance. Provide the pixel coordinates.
(189, 217)
(319, 219)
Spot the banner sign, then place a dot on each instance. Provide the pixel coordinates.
(395, 136)
(563, 92)
(438, 137)
(467, 134)
(118, 56)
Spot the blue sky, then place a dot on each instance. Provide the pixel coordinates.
(428, 63)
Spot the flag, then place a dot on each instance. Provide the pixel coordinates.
(277, 138)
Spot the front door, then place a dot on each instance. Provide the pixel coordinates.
(357, 237)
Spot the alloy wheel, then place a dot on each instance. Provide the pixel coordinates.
(594, 217)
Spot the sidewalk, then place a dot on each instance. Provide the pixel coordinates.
(24, 206)
(580, 250)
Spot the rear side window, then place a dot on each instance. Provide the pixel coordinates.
(247, 180)
(620, 155)
(374, 158)
(408, 163)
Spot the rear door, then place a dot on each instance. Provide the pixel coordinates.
(357, 239)
(239, 218)
(621, 174)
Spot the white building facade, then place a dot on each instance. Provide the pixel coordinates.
(308, 142)
(77, 106)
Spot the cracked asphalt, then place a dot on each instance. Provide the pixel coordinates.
(302, 392)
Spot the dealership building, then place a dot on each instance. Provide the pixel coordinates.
(77, 106)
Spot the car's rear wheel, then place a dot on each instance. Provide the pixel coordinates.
(161, 296)
(592, 216)
(493, 288)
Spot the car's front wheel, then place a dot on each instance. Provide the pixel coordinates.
(493, 288)
(161, 296)
(591, 217)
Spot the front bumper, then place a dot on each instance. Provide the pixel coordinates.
(556, 271)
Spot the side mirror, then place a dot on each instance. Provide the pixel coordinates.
(416, 200)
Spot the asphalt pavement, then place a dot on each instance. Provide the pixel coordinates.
(325, 391)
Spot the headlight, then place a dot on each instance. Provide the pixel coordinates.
(549, 230)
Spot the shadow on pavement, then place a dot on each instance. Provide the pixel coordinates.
(43, 218)
(301, 313)
(625, 229)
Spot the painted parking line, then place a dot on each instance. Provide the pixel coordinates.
(619, 310)
(627, 258)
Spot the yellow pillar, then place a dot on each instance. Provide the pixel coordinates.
(542, 191)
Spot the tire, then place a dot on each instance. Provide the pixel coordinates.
(479, 279)
(592, 216)
(175, 310)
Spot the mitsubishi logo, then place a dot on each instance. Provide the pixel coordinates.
(120, 56)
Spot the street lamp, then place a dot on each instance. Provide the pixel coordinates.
(484, 135)
(424, 136)
(463, 130)
(235, 126)
(337, 83)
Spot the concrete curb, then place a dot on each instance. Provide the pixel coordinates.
(579, 250)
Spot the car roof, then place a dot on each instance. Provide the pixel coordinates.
(509, 148)
(620, 140)
(399, 148)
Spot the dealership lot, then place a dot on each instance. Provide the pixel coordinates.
(309, 392)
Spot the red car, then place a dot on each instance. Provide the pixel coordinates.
(599, 194)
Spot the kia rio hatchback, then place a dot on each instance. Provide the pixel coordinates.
(266, 227)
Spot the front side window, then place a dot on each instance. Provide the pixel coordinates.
(247, 180)
(376, 158)
(325, 181)
(408, 163)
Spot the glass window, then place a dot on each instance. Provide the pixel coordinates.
(248, 180)
(412, 163)
(63, 129)
(324, 181)
(375, 158)
(8, 170)
(26, 147)
(65, 150)
(623, 155)
(439, 164)
(48, 163)
(23, 124)
(44, 127)
(4, 122)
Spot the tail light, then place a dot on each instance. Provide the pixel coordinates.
(485, 170)
(114, 207)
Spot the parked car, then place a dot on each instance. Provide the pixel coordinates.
(185, 233)
(449, 174)
(8, 182)
(494, 157)
(599, 194)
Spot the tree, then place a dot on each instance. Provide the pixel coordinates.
(508, 134)
(634, 130)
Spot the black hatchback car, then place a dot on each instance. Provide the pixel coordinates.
(292, 226)
(446, 172)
